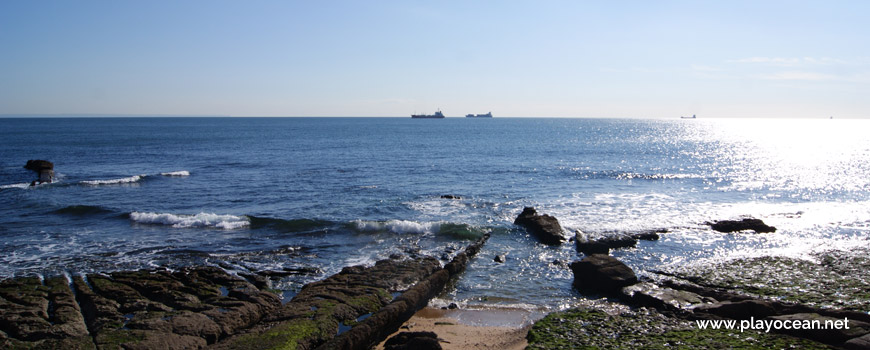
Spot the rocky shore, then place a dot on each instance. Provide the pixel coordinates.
(362, 307)
(201, 307)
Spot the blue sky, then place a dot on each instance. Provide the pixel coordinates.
(392, 58)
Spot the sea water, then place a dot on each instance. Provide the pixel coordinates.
(317, 194)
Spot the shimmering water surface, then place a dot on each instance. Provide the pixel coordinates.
(323, 193)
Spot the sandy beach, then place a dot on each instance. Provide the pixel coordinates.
(473, 329)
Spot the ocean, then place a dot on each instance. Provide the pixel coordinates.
(308, 196)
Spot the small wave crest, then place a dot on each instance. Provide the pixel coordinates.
(176, 173)
(397, 226)
(461, 231)
(21, 185)
(124, 180)
(199, 220)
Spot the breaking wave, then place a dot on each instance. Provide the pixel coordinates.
(397, 226)
(124, 180)
(199, 220)
(462, 231)
(176, 173)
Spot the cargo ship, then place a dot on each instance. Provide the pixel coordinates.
(488, 115)
(437, 115)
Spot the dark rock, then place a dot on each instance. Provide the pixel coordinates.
(587, 244)
(257, 280)
(860, 343)
(558, 262)
(603, 245)
(729, 226)
(601, 273)
(651, 235)
(413, 341)
(396, 256)
(545, 227)
(450, 196)
(38, 165)
(500, 258)
(44, 168)
(290, 271)
(452, 306)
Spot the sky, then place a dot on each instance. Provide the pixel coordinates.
(648, 59)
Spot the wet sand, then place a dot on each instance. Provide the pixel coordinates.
(473, 329)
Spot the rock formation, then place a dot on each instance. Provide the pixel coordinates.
(44, 168)
(601, 273)
(205, 306)
(545, 227)
(588, 244)
(729, 226)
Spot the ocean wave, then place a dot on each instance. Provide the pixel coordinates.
(198, 220)
(124, 180)
(460, 231)
(176, 173)
(397, 226)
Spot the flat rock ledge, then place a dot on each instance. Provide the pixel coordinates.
(206, 307)
(746, 224)
(602, 244)
(604, 275)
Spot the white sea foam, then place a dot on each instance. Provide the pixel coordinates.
(176, 173)
(398, 226)
(124, 180)
(199, 220)
(21, 185)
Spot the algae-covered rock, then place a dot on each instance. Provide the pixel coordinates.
(836, 279)
(646, 329)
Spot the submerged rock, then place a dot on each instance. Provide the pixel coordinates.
(450, 196)
(729, 226)
(500, 258)
(601, 273)
(545, 227)
(589, 244)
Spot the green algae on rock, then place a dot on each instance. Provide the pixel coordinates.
(840, 279)
(645, 329)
